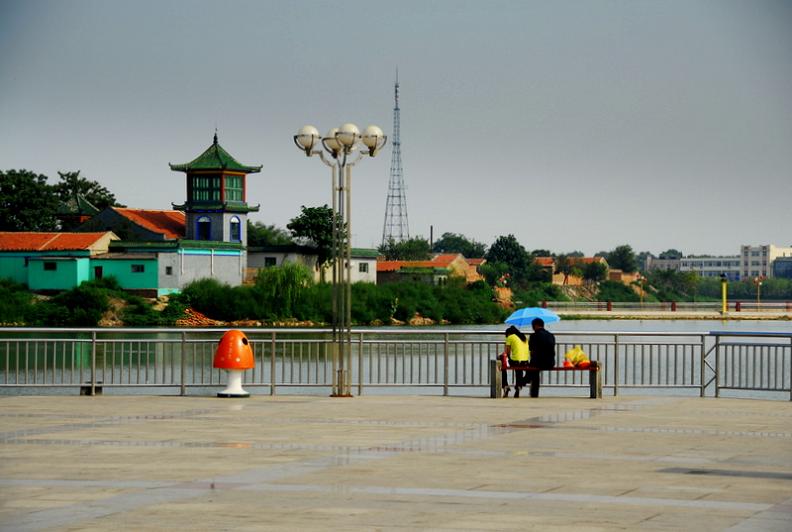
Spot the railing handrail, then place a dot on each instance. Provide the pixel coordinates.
(379, 331)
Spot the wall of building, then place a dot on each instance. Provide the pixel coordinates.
(168, 264)
(122, 269)
(712, 266)
(757, 261)
(223, 265)
(782, 268)
(69, 272)
(12, 266)
(364, 270)
(220, 229)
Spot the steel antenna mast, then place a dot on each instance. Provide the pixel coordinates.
(396, 227)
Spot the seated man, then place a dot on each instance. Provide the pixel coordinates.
(542, 347)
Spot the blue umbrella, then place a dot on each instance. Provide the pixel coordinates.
(524, 316)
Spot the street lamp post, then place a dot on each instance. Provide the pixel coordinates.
(758, 283)
(341, 149)
(724, 292)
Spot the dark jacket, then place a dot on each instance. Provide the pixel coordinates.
(542, 346)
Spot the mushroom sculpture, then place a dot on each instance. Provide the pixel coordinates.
(235, 356)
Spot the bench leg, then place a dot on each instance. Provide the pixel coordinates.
(595, 381)
(496, 384)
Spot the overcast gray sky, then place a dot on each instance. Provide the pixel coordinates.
(574, 125)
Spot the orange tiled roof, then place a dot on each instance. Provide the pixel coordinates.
(544, 261)
(584, 260)
(169, 223)
(444, 260)
(389, 265)
(476, 262)
(440, 261)
(13, 241)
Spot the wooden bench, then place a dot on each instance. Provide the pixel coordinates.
(594, 371)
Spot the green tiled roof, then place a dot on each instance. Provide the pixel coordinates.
(77, 204)
(215, 158)
(365, 253)
(216, 207)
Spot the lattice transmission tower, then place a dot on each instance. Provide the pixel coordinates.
(396, 227)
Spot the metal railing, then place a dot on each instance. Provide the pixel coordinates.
(734, 306)
(444, 360)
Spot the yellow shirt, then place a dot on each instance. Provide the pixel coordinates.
(518, 350)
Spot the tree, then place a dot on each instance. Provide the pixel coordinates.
(314, 226)
(27, 202)
(72, 184)
(541, 253)
(670, 254)
(641, 259)
(260, 234)
(415, 248)
(595, 272)
(457, 243)
(623, 258)
(567, 266)
(507, 250)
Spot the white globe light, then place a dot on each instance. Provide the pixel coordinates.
(371, 137)
(306, 137)
(348, 134)
(330, 141)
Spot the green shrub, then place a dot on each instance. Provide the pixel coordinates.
(16, 303)
(616, 291)
(139, 313)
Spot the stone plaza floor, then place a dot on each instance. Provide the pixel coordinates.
(394, 463)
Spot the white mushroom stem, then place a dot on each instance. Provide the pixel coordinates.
(234, 388)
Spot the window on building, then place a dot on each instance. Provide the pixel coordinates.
(363, 267)
(50, 266)
(270, 261)
(138, 268)
(168, 270)
(27, 261)
(233, 188)
(205, 189)
(235, 230)
(203, 228)
(98, 272)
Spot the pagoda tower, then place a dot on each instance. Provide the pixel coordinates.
(216, 208)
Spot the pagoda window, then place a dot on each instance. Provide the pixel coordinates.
(235, 229)
(205, 188)
(203, 228)
(233, 188)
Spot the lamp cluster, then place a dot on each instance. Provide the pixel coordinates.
(338, 140)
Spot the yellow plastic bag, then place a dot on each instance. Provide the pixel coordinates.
(576, 357)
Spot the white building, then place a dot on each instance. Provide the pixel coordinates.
(757, 261)
(712, 266)
(363, 265)
(653, 263)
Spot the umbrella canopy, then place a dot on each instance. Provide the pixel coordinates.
(524, 316)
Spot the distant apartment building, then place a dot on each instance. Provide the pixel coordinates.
(712, 266)
(653, 263)
(757, 261)
(782, 268)
(704, 266)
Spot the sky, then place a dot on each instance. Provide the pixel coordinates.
(574, 125)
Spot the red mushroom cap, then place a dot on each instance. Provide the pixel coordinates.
(234, 352)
